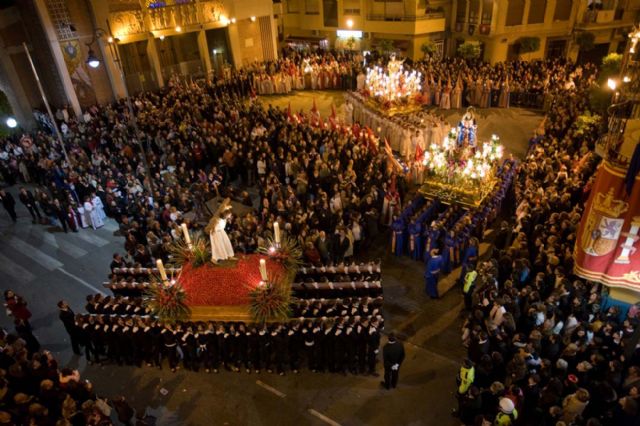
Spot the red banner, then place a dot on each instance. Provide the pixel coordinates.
(606, 244)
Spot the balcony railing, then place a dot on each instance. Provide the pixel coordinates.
(395, 17)
(598, 16)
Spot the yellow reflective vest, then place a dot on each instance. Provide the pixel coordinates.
(467, 375)
(469, 280)
(504, 419)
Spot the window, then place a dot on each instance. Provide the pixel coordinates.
(563, 10)
(515, 11)
(292, 6)
(487, 12)
(330, 9)
(537, 10)
(312, 7)
(474, 10)
(461, 12)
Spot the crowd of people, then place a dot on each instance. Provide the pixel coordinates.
(35, 390)
(338, 344)
(448, 83)
(541, 348)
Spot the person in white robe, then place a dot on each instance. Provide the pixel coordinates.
(91, 214)
(99, 206)
(221, 248)
(83, 218)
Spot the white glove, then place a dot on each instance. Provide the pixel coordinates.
(395, 367)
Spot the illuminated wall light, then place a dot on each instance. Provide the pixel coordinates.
(161, 37)
(611, 83)
(110, 39)
(626, 79)
(178, 29)
(349, 23)
(253, 19)
(233, 20)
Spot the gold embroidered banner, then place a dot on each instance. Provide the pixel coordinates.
(606, 247)
(74, 59)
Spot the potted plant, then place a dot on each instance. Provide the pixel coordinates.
(528, 45)
(428, 48)
(469, 50)
(585, 40)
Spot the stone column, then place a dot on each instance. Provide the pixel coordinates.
(58, 58)
(154, 60)
(203, 48)
(100, 10)
(525, 12)
(234, 44)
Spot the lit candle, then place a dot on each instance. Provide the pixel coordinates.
(276, 232)
(163, 273)
(263, 270)
(185, 232)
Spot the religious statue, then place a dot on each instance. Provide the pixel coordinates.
(221, 248)
(467, 129)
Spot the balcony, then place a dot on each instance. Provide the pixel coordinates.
(402, 17)
(405, 24)
(598, 16)
(606, 19)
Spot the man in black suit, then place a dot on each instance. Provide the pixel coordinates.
(29, 201)
(68, 319)
(392, 356)
(9, 204)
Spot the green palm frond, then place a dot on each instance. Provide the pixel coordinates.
(167, 302)
(271, 301)
(180, 254)
(289, 254)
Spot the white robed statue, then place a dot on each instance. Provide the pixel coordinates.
(221, 248)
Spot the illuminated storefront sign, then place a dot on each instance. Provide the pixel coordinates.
(349, 34)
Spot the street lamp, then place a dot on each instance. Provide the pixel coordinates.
(12, 123)
(611, 84)
(92, 59)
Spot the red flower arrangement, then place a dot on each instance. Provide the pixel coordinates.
(210, 285)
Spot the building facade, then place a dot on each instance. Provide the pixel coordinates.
(364, 24)
(500, 25)
(140, 44)
(137, 44)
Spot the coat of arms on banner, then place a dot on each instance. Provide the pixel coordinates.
(603, 225)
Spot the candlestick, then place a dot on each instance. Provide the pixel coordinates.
(263, 270)
(276, 232)
(163, 273)
(185, 232)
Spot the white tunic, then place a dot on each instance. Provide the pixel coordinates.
(221, 247)
(92, 216)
